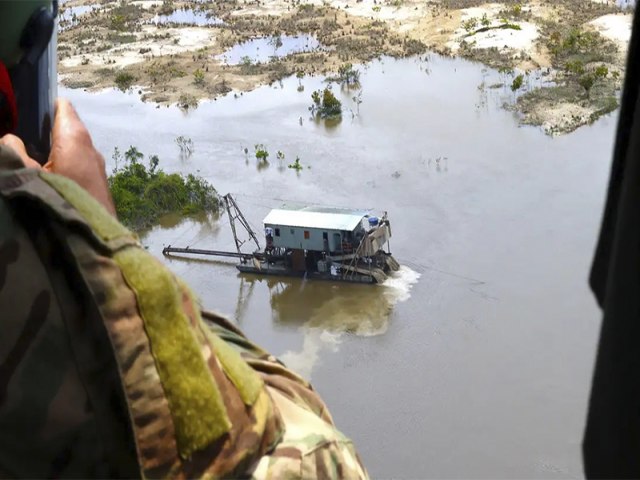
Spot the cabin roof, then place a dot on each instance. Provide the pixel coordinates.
(324, 218)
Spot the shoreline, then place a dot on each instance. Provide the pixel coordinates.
(125, 44)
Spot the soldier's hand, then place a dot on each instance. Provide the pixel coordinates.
(17, 146)
(72, 154)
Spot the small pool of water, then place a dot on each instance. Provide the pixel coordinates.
(187, 17)
(630, 4)
(263, 49)
(69, 16)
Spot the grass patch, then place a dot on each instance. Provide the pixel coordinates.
(124, 80)
(119, 38)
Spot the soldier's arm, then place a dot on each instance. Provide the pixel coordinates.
(140, 382)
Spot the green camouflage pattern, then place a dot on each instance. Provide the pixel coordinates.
(109, 367)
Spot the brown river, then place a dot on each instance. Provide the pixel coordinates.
(475, 359)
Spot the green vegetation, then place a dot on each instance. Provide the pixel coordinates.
(198, 77)
(262, 153)
(187, 101)
(325, 104)
(124, 16)
(300, 76)
(142, 194)
(247, 67)
(578, 44)
(517, 83)
(296, 165)
(588, 80)
(166, 8)
(124, 80)
(347, 75)
(118, 38)
(470, 24)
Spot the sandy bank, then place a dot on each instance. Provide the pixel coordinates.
(122, 41)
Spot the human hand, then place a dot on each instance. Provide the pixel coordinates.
(72, 154)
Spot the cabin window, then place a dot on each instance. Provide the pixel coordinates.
(292, 232)
(277, 232)
(306, 234)
(325, 236)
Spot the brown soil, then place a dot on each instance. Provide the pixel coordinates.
(117, 44)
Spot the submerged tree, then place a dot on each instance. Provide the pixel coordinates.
(186, 146)
(347, 75)
(325, 104)
(142, 193)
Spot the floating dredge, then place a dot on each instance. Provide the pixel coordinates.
(316, 243)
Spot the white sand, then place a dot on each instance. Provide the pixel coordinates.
(616, 27)
(147, 3)
(189, 39)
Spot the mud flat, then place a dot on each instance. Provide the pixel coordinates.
(184, 51)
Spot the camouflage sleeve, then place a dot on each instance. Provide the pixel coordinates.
(108, 369)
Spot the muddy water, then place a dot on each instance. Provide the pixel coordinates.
(475, 360)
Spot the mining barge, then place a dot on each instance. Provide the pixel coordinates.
(311, 242)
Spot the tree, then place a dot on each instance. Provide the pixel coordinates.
(587, 81)
(124, 80)
(357, 99)
(325, 104)
(347, 75)
(575, 67)
(198, 77)
(142, 194)
(185, 144)
(517, 83)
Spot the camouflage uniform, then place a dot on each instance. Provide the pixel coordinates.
(107, 368)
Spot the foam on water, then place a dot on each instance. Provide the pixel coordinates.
(398, 285)
(341, 316)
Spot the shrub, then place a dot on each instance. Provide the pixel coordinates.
(143, 194)
(470, 24)
(295, 165)
(187, 101)
(517, 83)
(198, 77)
(124, 80)
(325, 104)
(262, 153)
(348, 75)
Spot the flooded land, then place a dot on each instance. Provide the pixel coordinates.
(474, 360)
(485, 130)
(181, 52)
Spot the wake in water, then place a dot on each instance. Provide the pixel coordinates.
(363, 313)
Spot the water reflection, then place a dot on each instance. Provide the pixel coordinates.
(327, 312)
(187, 16)
(263, 49)
(69, 16)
